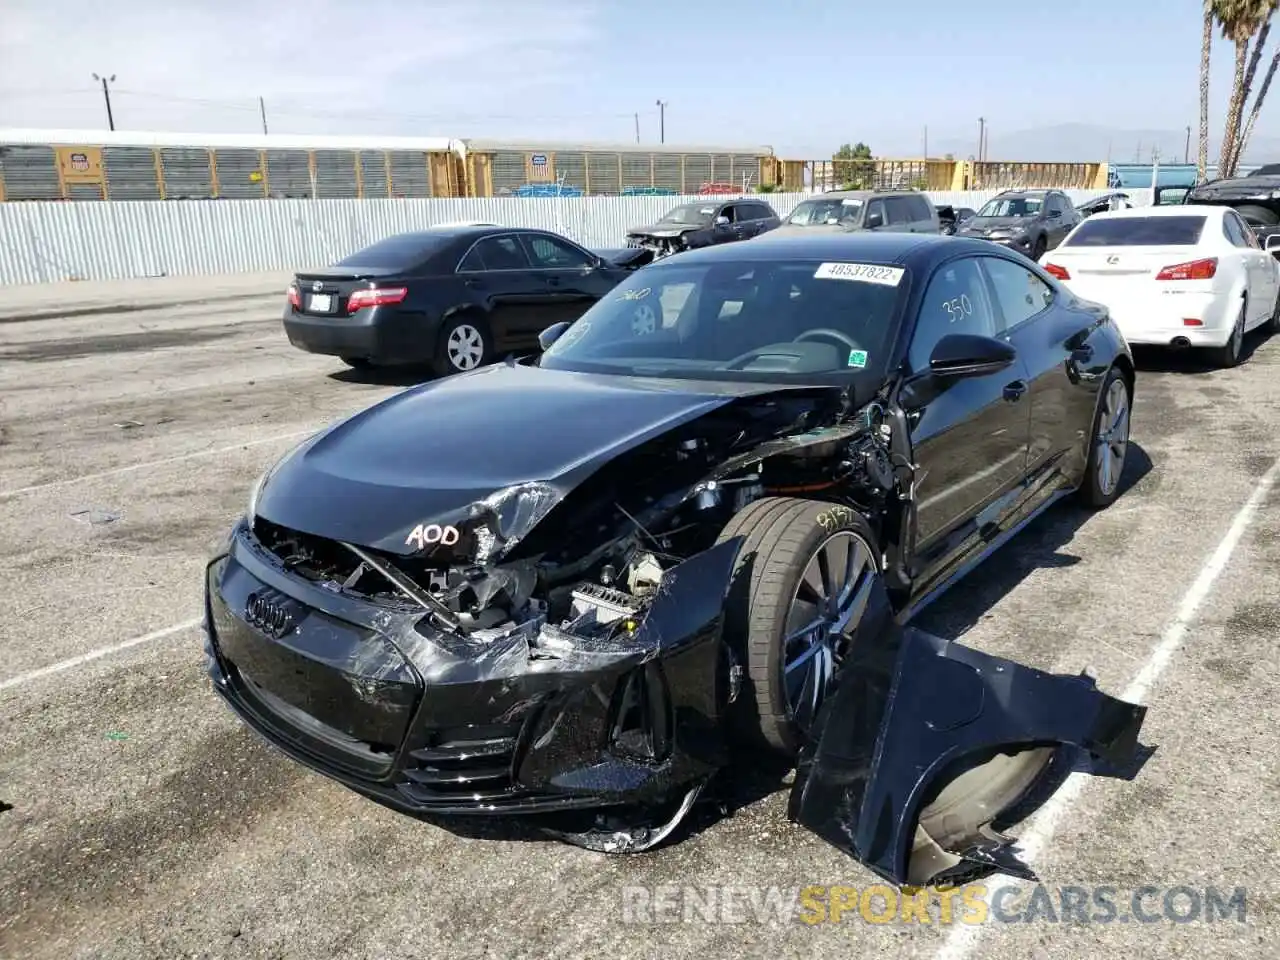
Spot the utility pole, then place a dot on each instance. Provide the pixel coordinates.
(106, 95)
(982, 129)
(1186, 154)
(662, 121)
(926, 141)
(262, 110)
(637, 128)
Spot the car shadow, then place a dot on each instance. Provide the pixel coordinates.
(398, 376)
(1149, 359)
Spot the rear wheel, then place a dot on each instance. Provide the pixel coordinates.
(465, 343)
(805, 574)
(1228, 355)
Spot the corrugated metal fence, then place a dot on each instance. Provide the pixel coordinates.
(44, 242)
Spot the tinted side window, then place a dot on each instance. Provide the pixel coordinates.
(747, 211)
(766, 212)
(900, 210)
(954, 302)
(1019, 292)
(1052, 206)
(729, 210)
(501, 253)
(924, 209)
(877, 206)
(548, 253)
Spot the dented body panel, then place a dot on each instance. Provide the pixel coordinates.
(910, 712)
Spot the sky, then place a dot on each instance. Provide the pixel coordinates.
(802, 76)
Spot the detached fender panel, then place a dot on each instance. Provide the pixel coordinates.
(907, 712)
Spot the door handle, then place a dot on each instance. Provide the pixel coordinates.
(472, 283)
(1013, 391)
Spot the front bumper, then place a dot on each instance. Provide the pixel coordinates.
(378, 699)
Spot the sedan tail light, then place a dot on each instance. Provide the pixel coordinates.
(1192, 270)
(375, 298)
(295, 298)
(1060, 273)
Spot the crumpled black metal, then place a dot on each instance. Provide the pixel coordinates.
(906, 707)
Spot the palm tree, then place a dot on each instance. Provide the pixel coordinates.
(1257, 105)
(1206, 45)
(1241, 20)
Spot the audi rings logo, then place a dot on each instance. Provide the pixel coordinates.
(268, 613)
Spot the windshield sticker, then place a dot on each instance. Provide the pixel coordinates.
(857, 359)
(862, 272)
(634, 294)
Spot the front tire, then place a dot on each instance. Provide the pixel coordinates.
(805, 574)
(1108, 443)
(465, 344)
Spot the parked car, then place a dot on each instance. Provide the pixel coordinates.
(1176, 276)
(841, 211)
(949, 217)
(572, 583)
(453, 296)
(693, 225)
(1255, 196)
(1029, 221)
(1108, 201)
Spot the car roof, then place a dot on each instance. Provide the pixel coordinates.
(898, 248)
(1028, 192)
(1170, 210)
(474, 231)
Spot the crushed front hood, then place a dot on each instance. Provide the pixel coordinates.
(663, 231)
(427, 455)
(912, 714)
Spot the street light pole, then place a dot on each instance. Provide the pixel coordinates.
(982, 125)
(106, 95)
(662, 121)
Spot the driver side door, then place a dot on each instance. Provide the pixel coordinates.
(970, 441)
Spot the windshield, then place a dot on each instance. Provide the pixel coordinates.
(1011, 207)
(813, 212)
(700, 214)
(1138, 232)
(795, 322)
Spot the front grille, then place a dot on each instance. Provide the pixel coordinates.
(463, 764)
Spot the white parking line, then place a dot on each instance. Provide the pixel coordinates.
(18, 491)
(963, 939)
(97, 654)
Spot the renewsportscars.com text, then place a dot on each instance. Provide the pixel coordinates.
(971, 904)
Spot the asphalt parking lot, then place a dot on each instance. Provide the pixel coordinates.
(138, 819)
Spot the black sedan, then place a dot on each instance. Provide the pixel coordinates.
(579, 582)
(455, 297)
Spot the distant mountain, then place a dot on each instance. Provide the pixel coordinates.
(1083, 142)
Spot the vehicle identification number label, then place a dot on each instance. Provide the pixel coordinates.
(861, 272)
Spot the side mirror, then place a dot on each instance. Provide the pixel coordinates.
(553, 333)
(1273, 242)
(958, 356)
(722, 221)
(875, 220)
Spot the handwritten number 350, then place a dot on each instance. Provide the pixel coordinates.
(959, 308)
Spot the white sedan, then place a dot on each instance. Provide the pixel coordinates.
(1174, 276)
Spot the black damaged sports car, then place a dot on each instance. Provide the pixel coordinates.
(696, 523)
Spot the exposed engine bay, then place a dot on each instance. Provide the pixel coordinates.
(516, 564)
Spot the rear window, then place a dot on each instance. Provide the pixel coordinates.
(1138, 232)
(398, 252)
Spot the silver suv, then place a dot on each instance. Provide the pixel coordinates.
(898, 211)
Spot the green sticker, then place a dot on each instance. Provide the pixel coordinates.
(857, 358)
